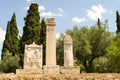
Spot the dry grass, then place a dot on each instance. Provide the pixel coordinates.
(82, 76)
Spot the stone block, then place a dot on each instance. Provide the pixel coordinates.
(70, 70)
(29, 71)
(51, 69)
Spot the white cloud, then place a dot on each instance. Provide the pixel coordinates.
(43, 12)
(26, 8)
(61, 10)
(50, 14)
(57, 35)
(96, 12)
(78, 20)
(41, 8)
(28, 0)
(2, 35)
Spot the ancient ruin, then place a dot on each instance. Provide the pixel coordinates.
(50, 42)
(69, 67)
(33, 55)
(32, 60)
(68, 51)
(50, 66)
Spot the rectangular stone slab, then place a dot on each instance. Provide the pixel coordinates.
(70, 70)
(51, 69)
(29, 71)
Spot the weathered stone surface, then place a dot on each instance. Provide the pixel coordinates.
(51, 69)
(50, 42)
(70, 70)
(33, 56)
(29, 71)
(68, 51)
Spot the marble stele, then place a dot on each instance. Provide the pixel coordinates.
(33, 56)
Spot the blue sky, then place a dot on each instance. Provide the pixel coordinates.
(67, 13)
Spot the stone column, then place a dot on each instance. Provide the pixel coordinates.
(68, 51)
(51, 67)
(50, 42)
(68, 67)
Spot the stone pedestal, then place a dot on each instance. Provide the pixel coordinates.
(70, 70)
(51, 69)
(29, 71)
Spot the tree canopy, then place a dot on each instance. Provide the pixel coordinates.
(43, 38)
(11, 42)
(118, 21)
(89, 44)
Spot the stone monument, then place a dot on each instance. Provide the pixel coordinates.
(32, 60)
(68, 67)
(50, 66)
(33, 56)
(50, 42)
(68, 51)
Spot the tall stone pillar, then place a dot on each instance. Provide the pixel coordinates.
(50, 67)
(50, 42)
(68, 51)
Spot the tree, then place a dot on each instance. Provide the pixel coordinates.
(113, 52)
(89, 44)
(43, 38)
(9, 63)
(31, 30)
(60, 50)
(11, 42)
(118, 21)
(101, 64)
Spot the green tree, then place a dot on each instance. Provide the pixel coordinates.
(101, 64)
(60, 50)
(43, 38)
(9, 63)
(113, 52)
(89, 44)
(31, 30)
(118, 21)
(11, 42)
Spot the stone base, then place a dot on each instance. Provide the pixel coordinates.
(70, 70)
(51, 69)
(29, 71)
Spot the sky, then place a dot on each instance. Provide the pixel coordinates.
(67, 13)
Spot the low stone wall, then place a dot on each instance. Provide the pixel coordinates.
(82, 76)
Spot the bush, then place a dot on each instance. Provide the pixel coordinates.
(9, 63)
